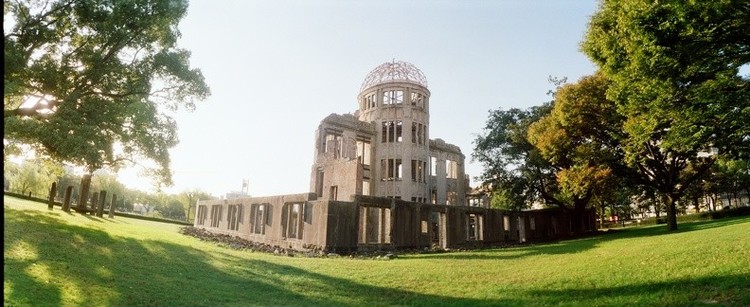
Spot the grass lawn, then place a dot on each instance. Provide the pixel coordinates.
(52, 258)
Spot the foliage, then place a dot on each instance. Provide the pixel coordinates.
(674, 70)
(576, 137)
(33, 177)
(513, 168)
(732, 177)
(105, 181)
(172, 209)
(92, 83)
(557, 153)
(189, 199)
(54, 259)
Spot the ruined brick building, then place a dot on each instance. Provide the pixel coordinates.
(379, 181)
(385, 149)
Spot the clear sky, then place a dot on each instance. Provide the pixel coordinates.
(277, 68)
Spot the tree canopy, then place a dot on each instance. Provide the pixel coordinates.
(674, 67)
(557, 154)
(577, 138)
(93, 83)
(513, 168)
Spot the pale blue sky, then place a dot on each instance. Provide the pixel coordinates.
(277, 68)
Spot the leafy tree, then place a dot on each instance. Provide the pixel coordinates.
(104, 180)
(577, 138)
(93, 83)
(190, 199)
(674, 67)
(732, 177)
(513, 168)
(32, 176)
(172, 209)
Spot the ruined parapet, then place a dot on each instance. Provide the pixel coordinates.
(440, 144)
(349, 121)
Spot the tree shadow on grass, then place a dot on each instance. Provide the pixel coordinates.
(48, 262)
(584, 244)
(92, 218)
(733, 290)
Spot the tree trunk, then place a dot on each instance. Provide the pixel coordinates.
(671, 204)
(696, 203)
(579, 210)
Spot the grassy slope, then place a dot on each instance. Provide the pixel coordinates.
(55, 258)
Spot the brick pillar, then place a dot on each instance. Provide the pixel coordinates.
(66, 202)
(100, 207)
(51, 198)
(112, 206)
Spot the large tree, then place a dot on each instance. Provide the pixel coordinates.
(94, 82)
(578, 139)
(674, 67)
(513, 168)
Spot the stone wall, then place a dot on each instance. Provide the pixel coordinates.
(301, 222)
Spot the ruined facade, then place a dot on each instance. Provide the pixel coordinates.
(385, 149)
(379, 182)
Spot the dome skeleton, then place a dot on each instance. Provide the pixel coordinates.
(394, 71)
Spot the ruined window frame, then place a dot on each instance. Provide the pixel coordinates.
(392, 131)
(393, 97)
(216, 215)
(477, 232)
(364, 148)
(335, 138)
(234, 216)
(258, 221)
(334, 192)
(417, 133)
(417, 100)
(418, 171)
(374, 221)
(391, 170)
(451, 197)
(366, 189)
(293, 227)
(451, 169)
(201, 215)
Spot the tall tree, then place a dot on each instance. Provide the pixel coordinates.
(578, 139)
(513, 168)
(674, 67)
(93, 82)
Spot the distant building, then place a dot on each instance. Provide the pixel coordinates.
(236, 194)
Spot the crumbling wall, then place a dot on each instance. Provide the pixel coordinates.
(378, 223)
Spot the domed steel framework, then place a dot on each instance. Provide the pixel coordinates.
(394, 71)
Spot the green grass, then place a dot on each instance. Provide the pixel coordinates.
(52, 258)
